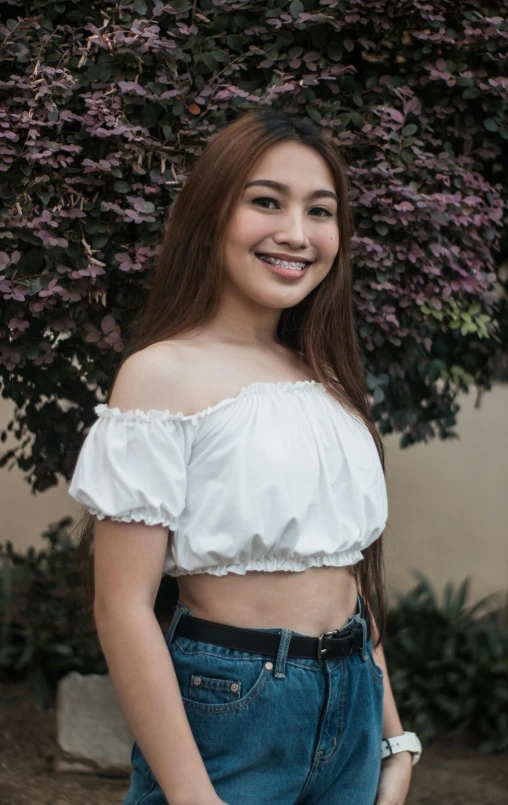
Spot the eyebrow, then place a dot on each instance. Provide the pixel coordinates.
(283, 188)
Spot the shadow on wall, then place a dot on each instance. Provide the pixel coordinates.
(448, 504)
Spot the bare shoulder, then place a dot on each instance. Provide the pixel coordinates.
(158, 377)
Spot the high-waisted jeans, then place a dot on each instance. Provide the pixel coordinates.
(276, 730)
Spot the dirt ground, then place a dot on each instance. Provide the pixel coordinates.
(445, 776)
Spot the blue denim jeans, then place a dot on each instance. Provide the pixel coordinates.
(276, 730)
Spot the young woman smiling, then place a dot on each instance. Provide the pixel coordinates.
(237, 454)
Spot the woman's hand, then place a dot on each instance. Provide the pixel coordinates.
(394, 779)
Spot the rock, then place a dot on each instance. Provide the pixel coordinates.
(92, 733)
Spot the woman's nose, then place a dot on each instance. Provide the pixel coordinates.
(293, 231)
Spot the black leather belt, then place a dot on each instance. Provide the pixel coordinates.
(332, 645)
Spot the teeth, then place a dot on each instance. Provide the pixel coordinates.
(285, 264)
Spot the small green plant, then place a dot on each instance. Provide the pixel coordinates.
(448, 664)
(43, 632)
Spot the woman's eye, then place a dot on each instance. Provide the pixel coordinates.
(269, 200)
(327, 213)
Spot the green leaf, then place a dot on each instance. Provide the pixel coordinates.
(409, 130)
(45, 23)
(371, 380)
(235, 43)
(335, 51)
(44, 197)
(220, 56)
(141, 7)
(210, 62)
(32, 351)
(62, 649)
(381, 228)
(100, 241)
(313, 113)
(296, 8)
(490, 124)
(34, 284)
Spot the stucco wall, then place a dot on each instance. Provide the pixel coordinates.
(448, 502)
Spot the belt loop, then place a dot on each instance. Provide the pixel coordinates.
(180, 610)
(280, 663)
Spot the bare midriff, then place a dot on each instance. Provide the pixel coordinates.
(311, 601)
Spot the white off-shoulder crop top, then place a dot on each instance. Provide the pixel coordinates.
(280, 477)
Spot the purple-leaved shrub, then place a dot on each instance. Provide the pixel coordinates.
(105, 105)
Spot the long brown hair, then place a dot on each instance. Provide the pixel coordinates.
(185, 295)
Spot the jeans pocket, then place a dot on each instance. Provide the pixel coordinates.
(215, 679)
(214, 690)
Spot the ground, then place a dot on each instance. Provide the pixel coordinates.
(446, 775)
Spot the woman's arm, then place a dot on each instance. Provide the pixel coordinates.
(128, 566)
(128, 563)
(396, 771)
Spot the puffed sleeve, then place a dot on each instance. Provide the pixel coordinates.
(132, 466)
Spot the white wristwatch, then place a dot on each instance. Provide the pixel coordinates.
(408, 742)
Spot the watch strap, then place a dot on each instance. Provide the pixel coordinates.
(408, 742)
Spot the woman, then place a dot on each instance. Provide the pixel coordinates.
(237, 453)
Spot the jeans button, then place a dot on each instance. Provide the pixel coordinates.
(268, 666)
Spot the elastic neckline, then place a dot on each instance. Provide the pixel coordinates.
(259, 387)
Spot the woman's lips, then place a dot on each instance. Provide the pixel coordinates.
(287, 273)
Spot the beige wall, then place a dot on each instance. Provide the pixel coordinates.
(448, 502)
(25, 515)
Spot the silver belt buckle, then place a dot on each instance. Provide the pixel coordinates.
(320, 650)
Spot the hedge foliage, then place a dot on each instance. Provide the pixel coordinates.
(105, 105)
